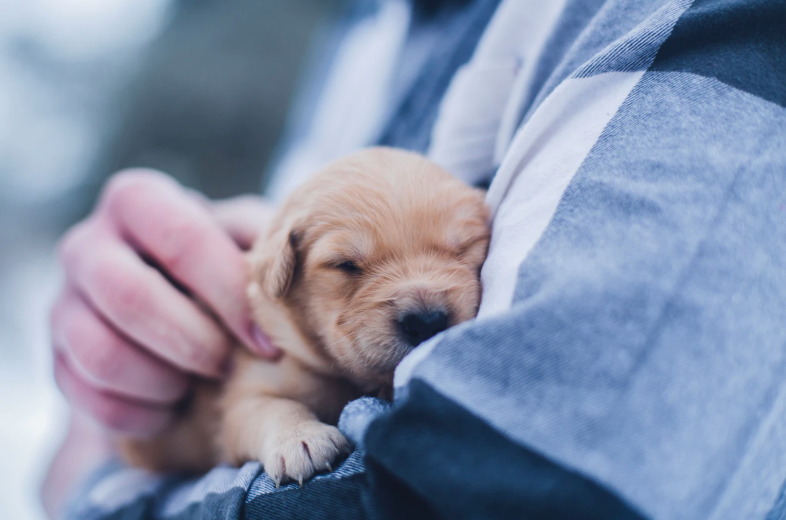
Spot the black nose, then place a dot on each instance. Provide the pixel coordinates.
(417, 327)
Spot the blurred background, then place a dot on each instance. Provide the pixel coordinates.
(197, 88)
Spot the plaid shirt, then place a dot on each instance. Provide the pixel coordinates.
(629, 357)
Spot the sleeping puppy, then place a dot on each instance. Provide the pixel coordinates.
(375, 254)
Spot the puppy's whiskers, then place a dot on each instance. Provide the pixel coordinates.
(351, 345)
(341, 338)
(358, 360)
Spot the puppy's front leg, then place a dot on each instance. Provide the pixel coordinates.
(284, 435)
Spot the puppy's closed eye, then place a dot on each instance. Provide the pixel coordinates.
(349, 267)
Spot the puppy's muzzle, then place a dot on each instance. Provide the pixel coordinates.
(416, 327)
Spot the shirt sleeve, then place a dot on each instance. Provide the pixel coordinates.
(118, 491)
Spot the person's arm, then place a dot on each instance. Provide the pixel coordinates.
(128, 335)
(85, 448)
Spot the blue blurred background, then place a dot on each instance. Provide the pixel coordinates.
(197, 88)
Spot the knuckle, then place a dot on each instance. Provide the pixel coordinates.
(124, 297)
(112, 415)
(128, 299)
(124, 186)
(134, 178)
(55, 317)
(71, 244)
(76, 336)
(179, 241)
(95, 352)
(171, 235)
(102, 364)
(59, 377)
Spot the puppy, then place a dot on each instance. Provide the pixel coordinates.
(377, 253)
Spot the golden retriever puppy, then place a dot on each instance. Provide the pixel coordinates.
(377, 253)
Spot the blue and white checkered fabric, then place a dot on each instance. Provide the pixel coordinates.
(224, 492)
(629, 358)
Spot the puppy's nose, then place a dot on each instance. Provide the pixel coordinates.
(417, 327)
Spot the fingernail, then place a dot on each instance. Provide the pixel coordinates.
(262, 342)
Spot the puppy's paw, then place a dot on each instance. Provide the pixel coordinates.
(299, 453)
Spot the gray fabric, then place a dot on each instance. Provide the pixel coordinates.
(358, 415)
(117, 490)
(655, 298)
(636, 49)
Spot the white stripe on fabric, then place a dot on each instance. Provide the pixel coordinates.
(539, 31)
(354, 100)
(121, 488)
(484, 96)
(543, 158)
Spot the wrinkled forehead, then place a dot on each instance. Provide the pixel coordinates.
(363, 237)
(340, 244)
(370, 228)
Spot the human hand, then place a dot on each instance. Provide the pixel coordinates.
(125, 337)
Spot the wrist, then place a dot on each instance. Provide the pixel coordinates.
(85, 447)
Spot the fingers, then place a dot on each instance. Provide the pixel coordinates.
(106, 360)
(124, 335)
(138, 301)
(181, 235)
(116, 414)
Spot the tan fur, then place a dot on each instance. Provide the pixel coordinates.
(418, 237)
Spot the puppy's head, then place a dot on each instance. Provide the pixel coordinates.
(377, 253)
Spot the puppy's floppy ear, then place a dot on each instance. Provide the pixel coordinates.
(274, 260)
